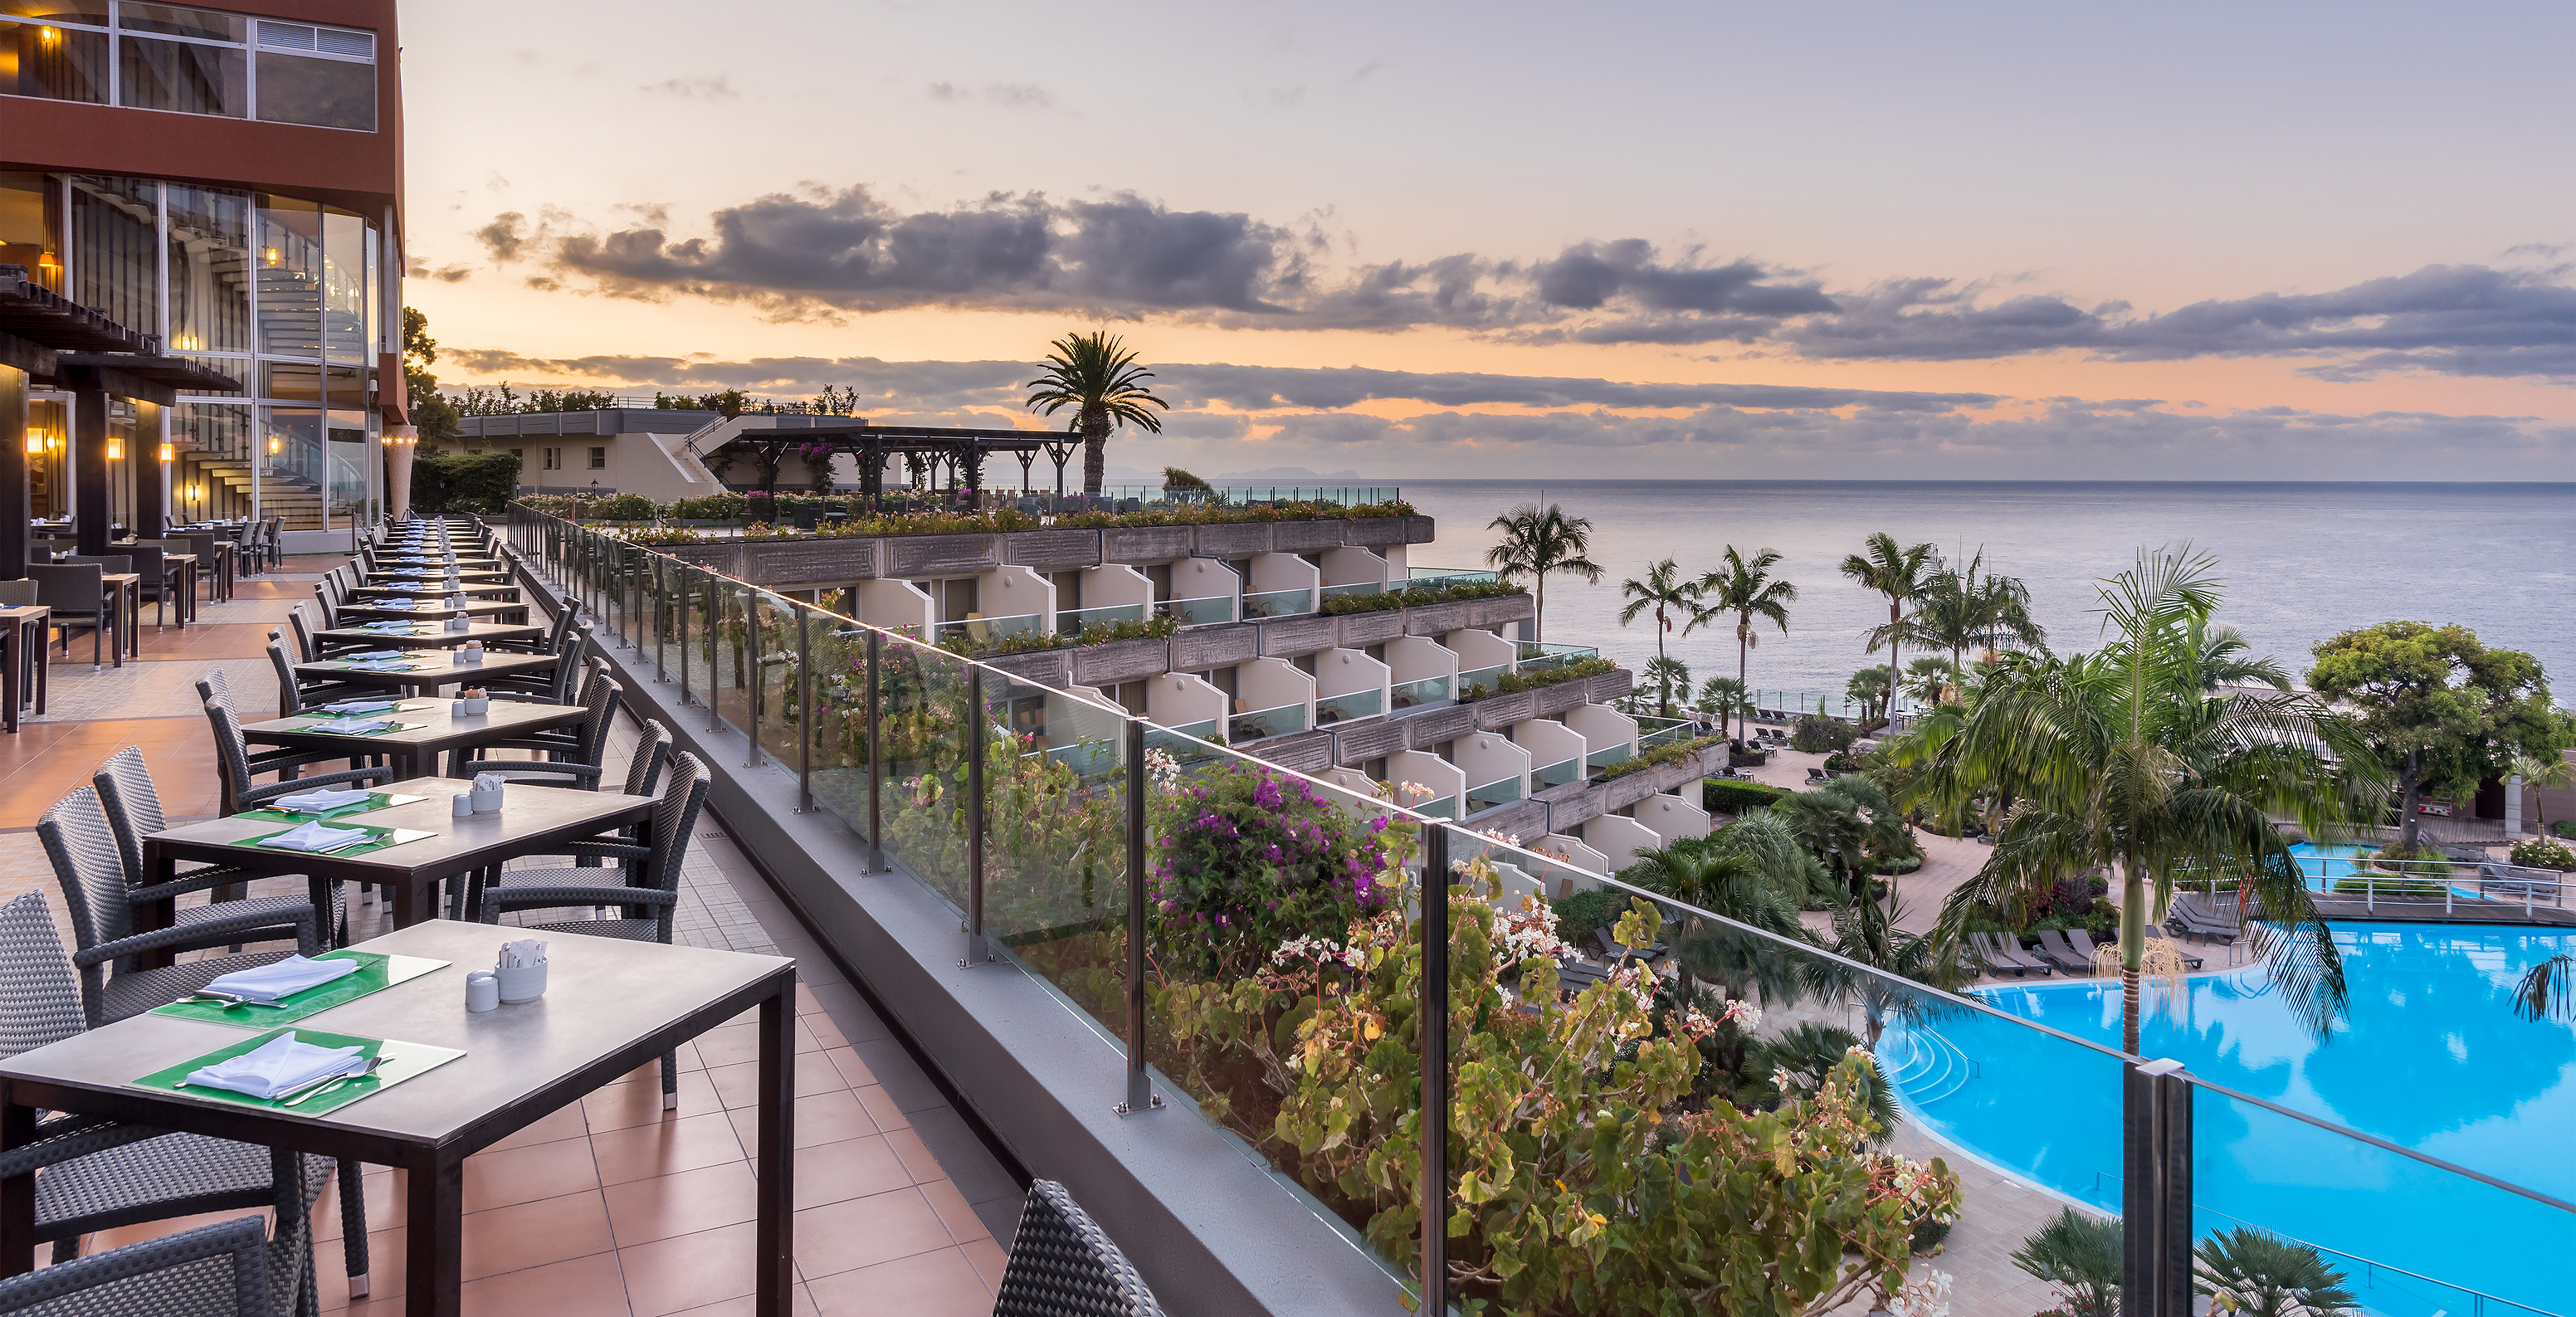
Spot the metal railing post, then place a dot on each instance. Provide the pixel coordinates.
(680, 596)
(806, 722)
(2155, 1216)
(1140, 1086)
(876, 760)
(715, 648)
(977, 952)
(1435, 1070)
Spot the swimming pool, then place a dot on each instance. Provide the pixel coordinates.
(2430, 1057)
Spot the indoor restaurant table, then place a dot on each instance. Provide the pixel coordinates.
(432, 635)
(430, 671)
(430, 728)
(610, 1006)
(532, 820)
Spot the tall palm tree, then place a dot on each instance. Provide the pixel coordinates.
(2129, 760)
(1743, 587)
(1871, 689)
(1098, 377)
(1664, 590)
(1899, 575)
(1724, 883)
(1926, 679)
(1961, 608)
(1722, 696)
(1536, 543)
(2536, 773)
(1667, 674)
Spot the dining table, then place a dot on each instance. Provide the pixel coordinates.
(432, 585)
(453, 1083)
(127, 590)
(425, 672)
(432, 603)
(429, 635)
(422, 729)
(22, 659)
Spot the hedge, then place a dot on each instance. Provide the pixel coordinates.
(1719, 795)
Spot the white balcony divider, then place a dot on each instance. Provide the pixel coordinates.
(1353, 683)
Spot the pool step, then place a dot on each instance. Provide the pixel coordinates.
(1926, 1066)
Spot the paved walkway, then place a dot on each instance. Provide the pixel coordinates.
(610, 1207)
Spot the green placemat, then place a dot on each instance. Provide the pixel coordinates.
(381, 972)
(385, 838)
(375, 801)
(398, 726)
(403, 1060)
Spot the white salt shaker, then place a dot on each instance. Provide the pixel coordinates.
(482, 991)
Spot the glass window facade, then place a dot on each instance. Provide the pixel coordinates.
(286, 296)
(188, 61)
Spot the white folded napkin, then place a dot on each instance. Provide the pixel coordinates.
(398, 601)
(277, 1065)
(315, 839)
(285, 978)
(362, 706)
(350, 726)
(314, 802)
(522, 952)
(373, 656)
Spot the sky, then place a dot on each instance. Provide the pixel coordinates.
(1689, 241)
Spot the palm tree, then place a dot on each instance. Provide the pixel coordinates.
(2128, 760)
(1744, 587)
(1869, 689)
(2536, 773)
(1663, 590)
(1096, 376)
(1722, 696)
(1964, 608)
(1896, 573)
(1723, 883)
(2081, 1255)
(1666, 674)
(1536, 543)
(2267, 1276)
(1926, 679)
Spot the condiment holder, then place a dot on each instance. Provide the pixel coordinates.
(483, 990)
(521, 970)
(460, 622)
(470, 652)
(487, 794)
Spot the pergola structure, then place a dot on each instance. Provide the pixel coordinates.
(960, 451)
(50, 340)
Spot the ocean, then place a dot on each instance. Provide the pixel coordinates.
(2300, 562)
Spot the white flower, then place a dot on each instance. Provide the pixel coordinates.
(1928, 1296)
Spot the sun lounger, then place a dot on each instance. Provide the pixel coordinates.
(2188, 917)
(1611, 949)
(2083, 944)
(2189, 960)
(2004, 952)
(2054, 949)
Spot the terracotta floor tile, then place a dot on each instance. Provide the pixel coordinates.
(385, 1273)
(534, 1234)
(738, 1085)
(642, 1211)
(666, 1147)
(882, 1109)
(941, 1283)
(916, 1156)
(582, 1287)
(563, 1124)
(747, 1306)
(806, 1002)
(852, 1168)
(989, 1258)
(823, 1118)
(639, 1101)
(852, 1067)
(861, 1232)
(689, 1060)
(827, 1035)
(689, 1271)
(729, 1044)
(526, 1174)
(953, 1211)
(384, 1200)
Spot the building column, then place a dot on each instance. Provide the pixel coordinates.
(87, 453)
(150, 474)
(401, 441)
(13, 466)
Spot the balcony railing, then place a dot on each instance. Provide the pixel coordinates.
(1536, 657)
(1601, 759)
(1442, 578)
(1663, 730)
(1446, 807)
(1419, 694)
(1278, 603)
(1556, 774)
(1072, 621)
(1489, 680)
(1187, 743)
(986, 630)
(1259, 723)
(1330, 709)
(1354, 588)
(1500, 791)
(1208, 610)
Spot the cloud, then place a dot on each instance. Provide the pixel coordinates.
(718, 88)
(506, 236)
(1008, 95)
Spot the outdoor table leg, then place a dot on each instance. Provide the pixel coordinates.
(18, 1192)
(774, 1246)
(13, 654)
(433, 1243)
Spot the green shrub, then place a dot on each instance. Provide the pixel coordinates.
(2542, 853)
(1024, 642)
(1720, 795)
(463, 482)
(1580, 915)
(1668, 752)
(1818, 735)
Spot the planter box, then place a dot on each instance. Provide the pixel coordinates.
(1306, 752)
(1361, 630)
(1523, 819)
(1501, 610)
(1621, 792)
(1146, 543)
(725, 559)
(1670, 777)
(1436, 619)
(1376, 532)
(1291, 636)
(1570, 805)
(1237, 541)
(1304, 536)
(1425, 730)
(1356, 743)
(1201, 648)
(1042, 667)
(1052, 550)
(1549, 701)
(810, 562)
(1419, 530)
(1497, 712)
(909, 556)
(1120, 661)
(1610, 685)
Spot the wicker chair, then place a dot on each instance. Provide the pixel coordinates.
(1063, 1265)
(133, 808)
(99, 1175)
(553, 640)
(576, 761)
(295, 694)
(212, 1271)
(556, 685)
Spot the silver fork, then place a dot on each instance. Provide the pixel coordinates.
(329, 1082)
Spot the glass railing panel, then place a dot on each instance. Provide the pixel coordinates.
(1535, 656)
(923, 730)
(1055, 844)
(1442, 578)
(1419, 694)
(1601, 759)
(1675, 730)
(1556, 774)
(1187, 743)
(1207, 611)
(837, 718)
(1330, 709)
(978, 631)
(735, 657)
(1502, 791)
(779, 714)
(1259, 723)
(1354, 588)
(1476, 683)
(1438, 807)
(2408, 1236)
(1072, 621)
(1278, 603)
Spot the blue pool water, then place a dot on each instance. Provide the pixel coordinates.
(2430, 1057)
